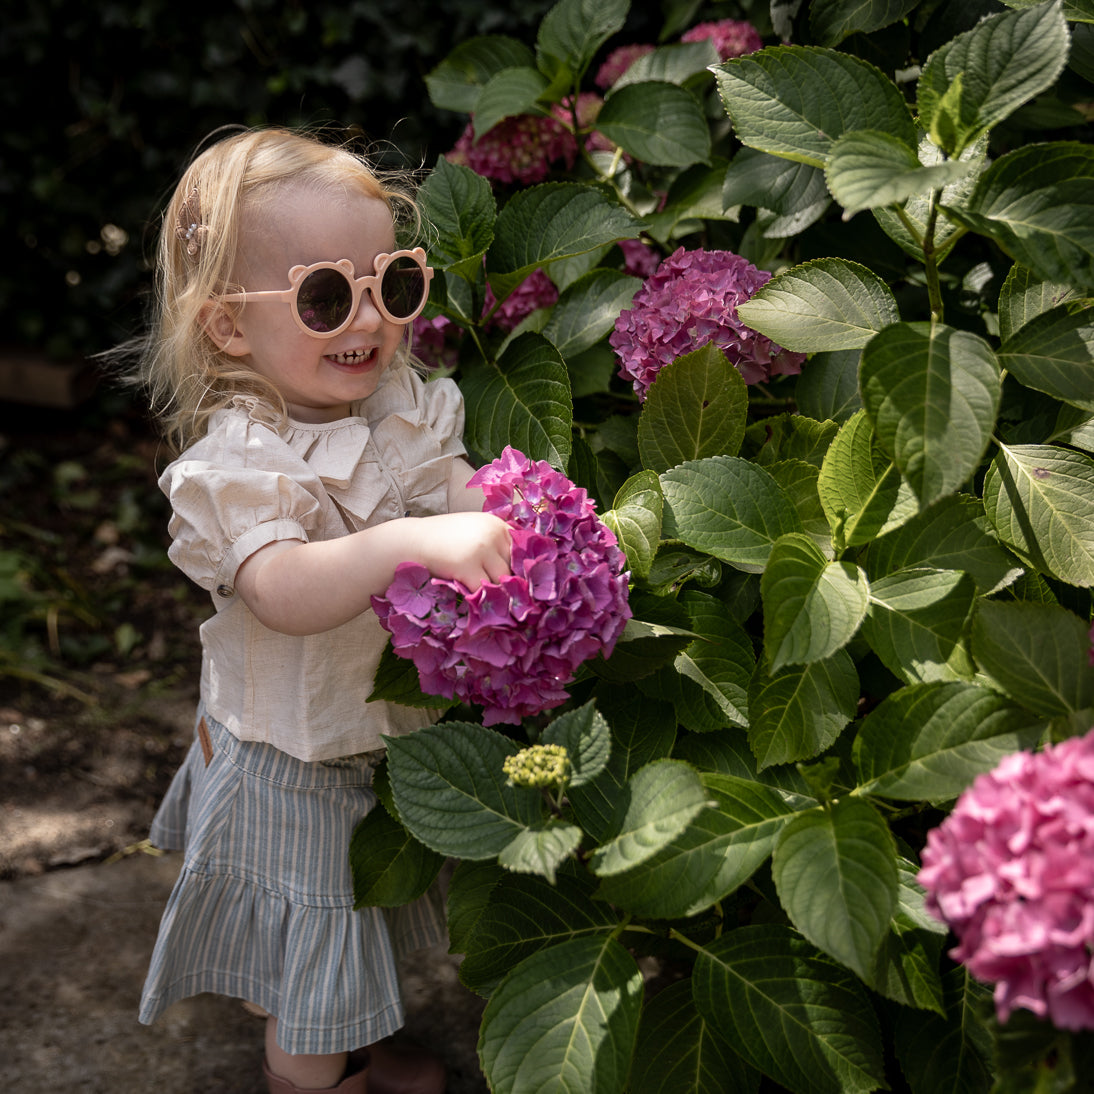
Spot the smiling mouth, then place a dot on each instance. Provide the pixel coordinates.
(353, 357)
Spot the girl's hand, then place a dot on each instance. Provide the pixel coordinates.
(469, 547)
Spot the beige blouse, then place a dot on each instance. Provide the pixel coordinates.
(243, 486)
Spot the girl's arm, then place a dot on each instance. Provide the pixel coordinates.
(304, 588)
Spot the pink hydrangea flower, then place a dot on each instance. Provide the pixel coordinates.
(512, 646)
(617, 62)
(639, 259)
(690, 300)
(537, 290)
(434, 341)
(731, 37)
(1011, 871)
(519, 149)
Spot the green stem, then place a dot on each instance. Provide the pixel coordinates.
(934, 287)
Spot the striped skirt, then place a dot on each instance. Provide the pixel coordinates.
(263, 907)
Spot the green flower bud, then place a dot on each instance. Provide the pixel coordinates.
(539, 765)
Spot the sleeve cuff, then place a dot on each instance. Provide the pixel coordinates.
(252, 540)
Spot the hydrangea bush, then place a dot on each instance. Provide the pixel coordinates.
(855, 492)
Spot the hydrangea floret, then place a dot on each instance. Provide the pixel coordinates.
(731, 37)
(513, 646)
(519, 149)
(1011, 872)
(545, 766)
(689, 301)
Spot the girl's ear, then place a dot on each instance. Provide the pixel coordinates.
(221, 326)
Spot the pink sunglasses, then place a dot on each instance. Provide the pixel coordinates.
(325, 295)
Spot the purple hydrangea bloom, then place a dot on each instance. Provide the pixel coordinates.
(537, 290)
(1011, 871)
(691, 299)
(617, 62)
(518, 149)
(513, 645)
(731, 37)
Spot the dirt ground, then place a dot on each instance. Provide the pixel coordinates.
(98, 667)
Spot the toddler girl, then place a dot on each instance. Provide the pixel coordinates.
(314, 460)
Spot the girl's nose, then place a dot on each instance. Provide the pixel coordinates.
(368, 316)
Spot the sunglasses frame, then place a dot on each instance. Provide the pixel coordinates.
(358, 285)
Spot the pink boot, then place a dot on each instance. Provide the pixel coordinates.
(400, 1069)
(354, 1083)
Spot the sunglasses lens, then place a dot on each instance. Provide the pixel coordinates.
(324, 300)
(403, 287)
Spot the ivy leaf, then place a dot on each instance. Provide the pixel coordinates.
(460, 206)
(1037, 653)
(932, 393)
(679, 1053)
(660, 800)
(812, 607)
(833, 20)
(1054, 353)
(696, 408)
(456, 82)
(635, 518)
(564, 1019)
(929, 741)
(836, 875)
(790, 1011)
(796, 101)
(867, 168)
(977, 79)
(389, 866)
(826, 304)
(451, 792)
(1041, 501)
(797, 712)
(728, 507)
(658, 123)
(523, 402)
(1037, 203)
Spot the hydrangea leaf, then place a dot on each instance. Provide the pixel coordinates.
(397, 681)
(541, 849)
(528, 914)
(1039, 654)
(789, 437)
(727, 753)
(828, 387)
(451, 792)
(470, 889)
(977, 79)
(795, 101)
(660, 800)
(953, 534)
(564, 1019)
(861, 490)
(456, 82)
(916, 623)
(713, 856)
(790, 1011)
(727, 507)
(507, 93)
(572, 32)
(1041, 501)
(798, 480)
(929, 741)
(695, 408)
(389, 866)
(812, 607)
(460, 206)
(833, 20)
(826, 304)
(658, 123)
(1037, 203)
(932, 393)
(1054, 353)
(585, 735)
(797, 712)
(952, 1053)
(866, 169)
(677, 63)
(525, 403)
(555, 220)
(769, 182)
(836, 875)
(1024, 296)
(587, 309)
(679, 1053)
(635, 518)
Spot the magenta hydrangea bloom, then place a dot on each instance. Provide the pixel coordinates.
(689, 300)
(433, 341)
(731, 37)
(1011, 872)
(518, 149)
(617, 62)
(537, 290)
(639, 259)
(512, 646)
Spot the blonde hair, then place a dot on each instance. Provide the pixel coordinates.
(186, 374)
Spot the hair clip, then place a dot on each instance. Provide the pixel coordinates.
(188, 227)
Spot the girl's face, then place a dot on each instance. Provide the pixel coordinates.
(317, 377)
